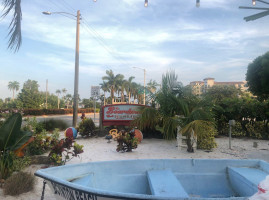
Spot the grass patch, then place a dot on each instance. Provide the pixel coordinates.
(19, 183)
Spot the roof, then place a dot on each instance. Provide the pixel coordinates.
(228, 83)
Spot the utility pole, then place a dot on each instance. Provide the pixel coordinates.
(144, 86)
(47, 94)
(75, 106)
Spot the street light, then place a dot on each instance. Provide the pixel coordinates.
(75, 106)
(258, 15)
(144, 83)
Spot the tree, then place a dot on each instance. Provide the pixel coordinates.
(217, 93)
(122, 87)
(58, 92)
(105, 88)
(15, 38)
(152, 86)
(64, 92)
(13, 85)
(29, 97)
(175, 111)
(52, 100)
(130, 87)
(257, 76)
(68, 100)
(113, 82)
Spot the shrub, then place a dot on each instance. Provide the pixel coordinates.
(20, 163)
(86, 127)
(37, 112)
(257, 130)
(62, 151)
(33, 125)
(126, 141)
(237, 130)
(52, 124)
(206, 140)
(19, 183)
(42, 142)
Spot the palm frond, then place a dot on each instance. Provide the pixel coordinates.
(197, 126)
(15, 38)
(149, 118)
(170, 125)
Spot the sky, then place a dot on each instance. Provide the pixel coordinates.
(210, 41)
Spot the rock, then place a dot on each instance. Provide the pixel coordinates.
(40, 160)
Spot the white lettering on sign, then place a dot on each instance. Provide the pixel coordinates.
(121, 112)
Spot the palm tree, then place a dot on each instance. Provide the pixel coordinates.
(122, 87)
(152, 86)
(64, 91)
(13, 85)
(173, 112)
(14, 34)
(58, 92)
(105, 88)
(112, 82)
(68, 99)
(129, 87)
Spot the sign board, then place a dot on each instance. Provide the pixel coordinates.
(120, 114)
(95, 91)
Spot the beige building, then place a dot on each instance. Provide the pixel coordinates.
(200, 87)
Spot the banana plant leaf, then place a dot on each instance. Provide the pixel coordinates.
(11, 136)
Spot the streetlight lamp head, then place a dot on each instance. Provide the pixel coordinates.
(46, 13)
(94, 0)
(253, 2)
(146, 3)
(197, 3)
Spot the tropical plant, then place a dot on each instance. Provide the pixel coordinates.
(105, 88)
(15, 38)
(86, 127)
(112, 81)
(31, 124)
(175, 110)
(130, 86)
(13, 85)
(11, 139)
(64, 92)
(68, 100)
(126, 141)
(64, 150)
(58, 92)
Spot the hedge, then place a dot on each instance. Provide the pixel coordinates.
(36, 112)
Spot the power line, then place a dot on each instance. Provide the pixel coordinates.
(68, 6)
(104, 46)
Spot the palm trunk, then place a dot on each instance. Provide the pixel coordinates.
(13, 96)
(122, 96)
(129, 100)
(112, 96)
(58, 102)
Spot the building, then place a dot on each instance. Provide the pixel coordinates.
(200, 87)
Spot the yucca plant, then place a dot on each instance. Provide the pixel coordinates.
(11, 139)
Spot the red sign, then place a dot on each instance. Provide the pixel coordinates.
(120, 114)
